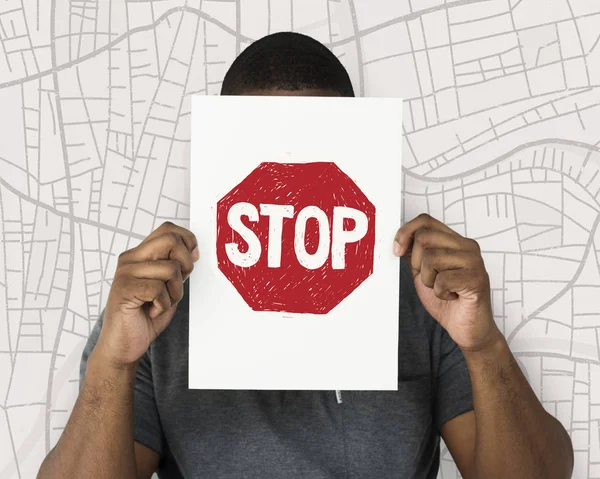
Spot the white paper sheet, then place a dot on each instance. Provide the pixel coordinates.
(354, 346)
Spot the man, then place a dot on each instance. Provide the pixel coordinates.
(135, 414)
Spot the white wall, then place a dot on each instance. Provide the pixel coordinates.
(501, 128)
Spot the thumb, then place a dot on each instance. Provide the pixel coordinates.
(155, 313)
(163, 320)
(428, 298)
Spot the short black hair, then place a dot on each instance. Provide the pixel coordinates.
(286, 61)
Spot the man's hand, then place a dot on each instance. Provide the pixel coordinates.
(508, 420)
(147, 286)
(451, 280)
(98, 440)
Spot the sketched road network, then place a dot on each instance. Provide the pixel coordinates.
(501, 142)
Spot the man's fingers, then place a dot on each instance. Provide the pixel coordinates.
(405, 235)
(426, 238)
(168, 271)
(188, 238)
(449, 284)
(181, 254)
(141, 291)
(437, 260)
(445, 282)
(152, 249)
(154, 271)
(164, 247)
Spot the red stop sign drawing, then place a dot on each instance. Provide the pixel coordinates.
(295, 237)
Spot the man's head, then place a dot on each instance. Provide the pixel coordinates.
(287, 64)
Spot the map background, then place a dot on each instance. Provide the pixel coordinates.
(502, 99)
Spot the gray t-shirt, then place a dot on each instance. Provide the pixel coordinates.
(302, 434)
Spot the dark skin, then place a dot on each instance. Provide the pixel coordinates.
(509, 433)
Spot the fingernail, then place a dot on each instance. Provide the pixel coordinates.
(397, 248)
(195, 254)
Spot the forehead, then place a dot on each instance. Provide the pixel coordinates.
(306, 92)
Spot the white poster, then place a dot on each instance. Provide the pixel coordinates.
(295, 202)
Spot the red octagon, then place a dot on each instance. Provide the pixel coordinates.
(280, 280)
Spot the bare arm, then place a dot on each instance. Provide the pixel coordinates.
(515, 436)
(98, 440)
(509, 434)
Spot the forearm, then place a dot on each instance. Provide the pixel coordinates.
(98, 439)
(515, 436)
